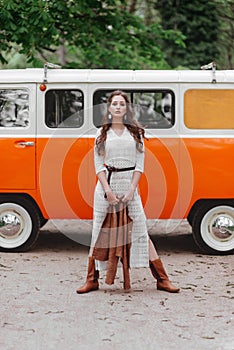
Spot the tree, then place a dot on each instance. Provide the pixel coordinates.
(92, 34)
(225, 10)
(198, 21)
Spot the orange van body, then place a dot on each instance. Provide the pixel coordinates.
(63, 187)
(171, 184)
(184, 167)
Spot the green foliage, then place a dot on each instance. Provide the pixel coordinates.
(225, 10)
(198, 21)
(124, 34)
(93, 33)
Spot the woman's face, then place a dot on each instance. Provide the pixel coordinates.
(118, 107)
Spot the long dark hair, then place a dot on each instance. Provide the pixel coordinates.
(135, 129)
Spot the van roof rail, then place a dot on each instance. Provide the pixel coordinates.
(49, 65)
(211, 65)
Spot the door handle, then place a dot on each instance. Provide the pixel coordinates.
(25, 143)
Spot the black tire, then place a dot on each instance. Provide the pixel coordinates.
(213, 227)
(19, 223)
(190, 219)
(43, 221)
(193, 211)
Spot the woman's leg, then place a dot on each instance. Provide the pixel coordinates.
(158, 271)
(91, 279)
(153, 255)
(92, 276)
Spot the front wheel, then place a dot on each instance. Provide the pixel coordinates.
(19, 224)
(213, 228)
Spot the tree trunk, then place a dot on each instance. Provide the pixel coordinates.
(62, 54)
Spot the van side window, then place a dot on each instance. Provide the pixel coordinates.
(154, 109)
(64, 108)
(209, 109)
(14, 108)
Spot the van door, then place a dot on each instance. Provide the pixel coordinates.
(17, 136)
(63, 151)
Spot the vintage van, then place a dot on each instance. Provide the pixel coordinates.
(48, 121)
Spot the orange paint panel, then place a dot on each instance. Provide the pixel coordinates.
(62, 166)
(190, 169)
(213, 167)
(17, 164)
(178, 172)
(161, 176)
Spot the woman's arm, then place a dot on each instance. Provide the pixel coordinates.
(110, 196)
(140, 157)
(135, 180)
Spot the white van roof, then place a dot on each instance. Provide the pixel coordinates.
(29, 75)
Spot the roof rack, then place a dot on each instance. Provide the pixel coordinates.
(49, 65)
(211, 65)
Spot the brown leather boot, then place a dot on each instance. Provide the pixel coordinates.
(91, 280)
(159, 273)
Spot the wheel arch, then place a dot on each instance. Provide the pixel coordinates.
(14, 195)
(205, 201)
(202, 236)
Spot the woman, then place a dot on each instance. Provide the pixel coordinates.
(119, 144)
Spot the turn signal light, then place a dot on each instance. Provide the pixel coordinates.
(43, 87)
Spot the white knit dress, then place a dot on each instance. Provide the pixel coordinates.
(121, 152)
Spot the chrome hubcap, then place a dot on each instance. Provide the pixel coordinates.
(15, 225)
(10, 225)
(223, 227)
(217, 228)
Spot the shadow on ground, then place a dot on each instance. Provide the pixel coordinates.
(176, 242)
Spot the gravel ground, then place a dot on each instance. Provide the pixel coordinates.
(41, 310)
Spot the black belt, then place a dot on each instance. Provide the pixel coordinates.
(112, 169)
